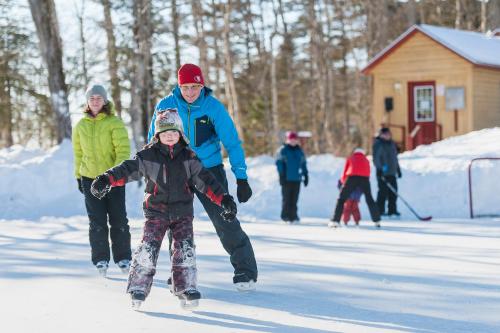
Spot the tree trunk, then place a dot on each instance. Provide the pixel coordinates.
(81, 27)
(231, 92)
(6, 139)
(45, 18)
(112, 57)
(274, 98)
(483, 15)
(175, 31)
(458, 14)
(201, 42)
(142, 90)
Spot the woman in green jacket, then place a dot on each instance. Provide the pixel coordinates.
(100, 141)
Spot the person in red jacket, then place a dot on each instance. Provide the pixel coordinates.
(356, 174)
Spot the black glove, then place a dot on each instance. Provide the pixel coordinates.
(306, 180)
(243, 191)
(100, 186)
(230, 209)
(339, 184)
(282, 179)
(80, 187)
(399, 173)
(379, 173)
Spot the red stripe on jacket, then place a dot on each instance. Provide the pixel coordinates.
(116, 182)
(356, 165)
(217, 199)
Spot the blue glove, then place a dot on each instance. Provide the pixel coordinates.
(385, 168)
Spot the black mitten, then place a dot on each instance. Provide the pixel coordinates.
(100, 186)
(243, 191)
(230, 209)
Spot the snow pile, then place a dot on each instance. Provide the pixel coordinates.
(37, 183)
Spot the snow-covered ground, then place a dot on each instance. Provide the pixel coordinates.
(439, 276)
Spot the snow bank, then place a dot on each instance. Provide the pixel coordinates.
(36, 183)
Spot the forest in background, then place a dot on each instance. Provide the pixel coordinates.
(276, 64)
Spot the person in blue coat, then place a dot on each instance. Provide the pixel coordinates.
(207, 125)
(292, 170)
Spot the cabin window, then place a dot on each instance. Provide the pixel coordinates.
(424, 103)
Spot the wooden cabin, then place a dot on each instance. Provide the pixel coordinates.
(433, 82)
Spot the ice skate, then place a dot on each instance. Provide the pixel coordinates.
(102, 267)
(377, 224)
(137, 298)
(124, 265)
(333, 224)
(189, 299)
(243, 283)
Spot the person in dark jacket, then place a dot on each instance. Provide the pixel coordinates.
(385, 158)
(208, 126)
(292, 170)
(357, 175)
(171, 171)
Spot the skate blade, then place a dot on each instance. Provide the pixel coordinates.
(136, 304)
(189, 304)
(245, 286)
(103, 272)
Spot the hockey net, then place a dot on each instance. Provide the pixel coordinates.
(484, 185)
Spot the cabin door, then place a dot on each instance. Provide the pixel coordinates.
(422, 112)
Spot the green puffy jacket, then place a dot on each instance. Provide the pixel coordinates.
(99, 143)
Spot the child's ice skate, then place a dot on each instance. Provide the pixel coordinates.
(102, 267)
(137, 298)
(243, 283)
(189, 299)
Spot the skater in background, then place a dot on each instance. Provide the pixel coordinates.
(292, 170)
(357, 175)
(100, 141)
(171, 171)
(208, 126)
(351, 205)
(385, 158)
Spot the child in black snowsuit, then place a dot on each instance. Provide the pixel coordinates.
(170, 169)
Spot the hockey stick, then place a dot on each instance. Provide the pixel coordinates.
(393, 190)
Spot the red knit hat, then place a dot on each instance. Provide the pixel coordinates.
(291, 135)
(189, 73)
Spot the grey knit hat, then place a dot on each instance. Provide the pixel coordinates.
(97, 89)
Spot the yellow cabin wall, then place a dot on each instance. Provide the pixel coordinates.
(421, 59)
(486, 99)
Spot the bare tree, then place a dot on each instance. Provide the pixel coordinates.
(112, 56)
(81, 29)
(141, 105)
(231, 92)
(45, 18)
(201, 42)
(175, 32)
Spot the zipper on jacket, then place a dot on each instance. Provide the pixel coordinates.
(164, 174)
(189, 121)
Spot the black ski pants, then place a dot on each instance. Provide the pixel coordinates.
(290, 195)
(234, 240)
(385, 194)
(112, 206)
(350, 185)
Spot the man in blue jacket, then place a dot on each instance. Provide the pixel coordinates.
(207, 124)
(292, 170)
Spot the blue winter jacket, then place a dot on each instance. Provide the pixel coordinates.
(206, 123)
(291, 162)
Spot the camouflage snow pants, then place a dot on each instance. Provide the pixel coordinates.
(183, 257)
